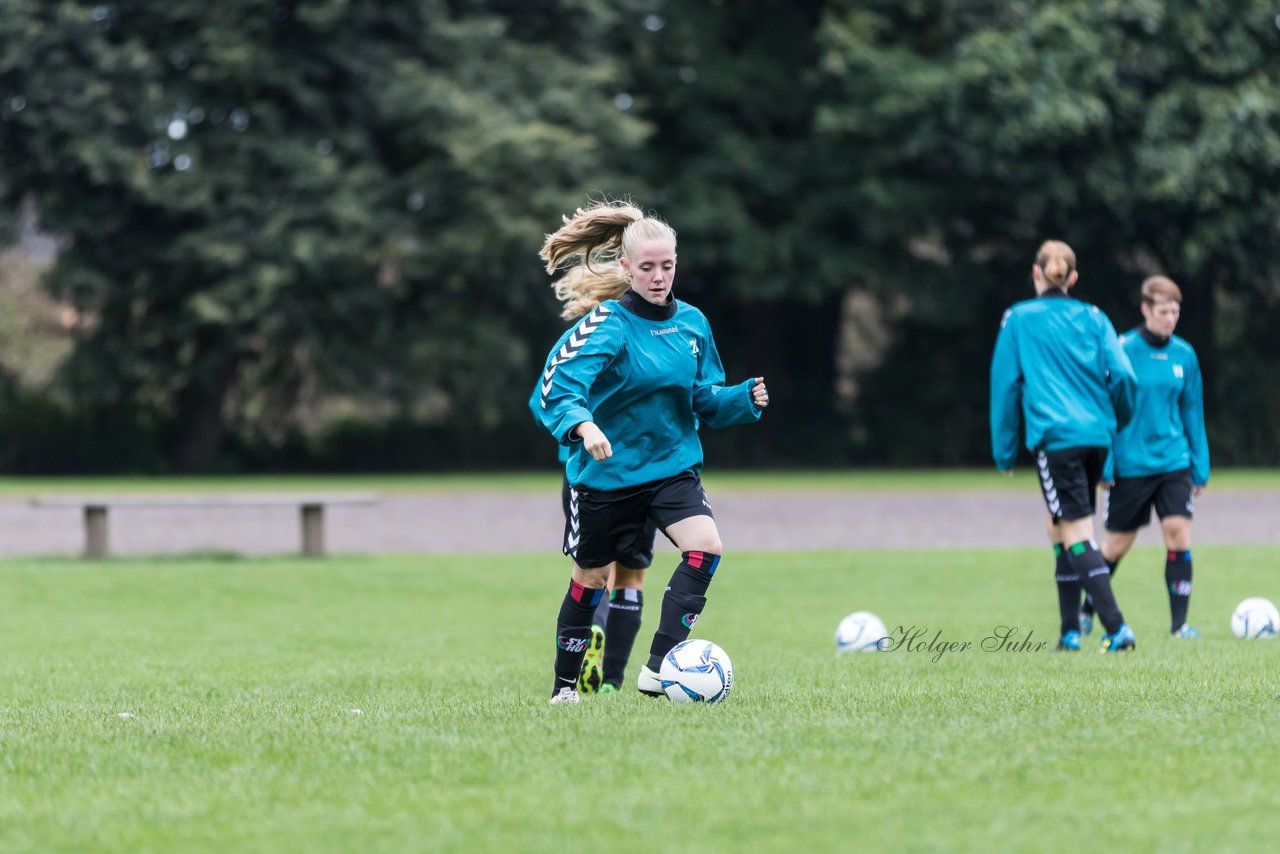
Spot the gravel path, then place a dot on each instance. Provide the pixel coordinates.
(498, 522)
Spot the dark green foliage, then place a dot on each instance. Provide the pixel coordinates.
(1145, 134)
(269, 201)
(272, 205)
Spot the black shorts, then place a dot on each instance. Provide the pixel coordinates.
(604, 526)
(1129, 502)
(1069, 481)
(637, 555)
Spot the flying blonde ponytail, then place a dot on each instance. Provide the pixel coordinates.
(583, 288)
(592, 233)
(589, 244)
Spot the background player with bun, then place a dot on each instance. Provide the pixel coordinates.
(1058, 362)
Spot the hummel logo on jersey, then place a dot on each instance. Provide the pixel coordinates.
(666, 331)
(572, 345)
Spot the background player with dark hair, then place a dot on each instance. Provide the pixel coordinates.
(626, 388)
(1058, 361)
(1161, 458)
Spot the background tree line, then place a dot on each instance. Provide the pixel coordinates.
(303, 235)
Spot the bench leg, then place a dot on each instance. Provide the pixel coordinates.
(313, 530)
(95, 531)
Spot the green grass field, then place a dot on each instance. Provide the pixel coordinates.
(399, 703)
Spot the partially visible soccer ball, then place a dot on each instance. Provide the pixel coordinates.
(861, 631)
(696, 671)
(1255, 617)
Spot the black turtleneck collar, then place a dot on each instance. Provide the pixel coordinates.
(641, 307)
(1151, 338)
(1053, 292)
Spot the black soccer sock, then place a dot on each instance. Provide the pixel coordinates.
(682, 603)
(1068, 590)
(625, 606)
(1088, 563)
(1177, 576)
(601, 615)
(1087, 608)
(573, 632)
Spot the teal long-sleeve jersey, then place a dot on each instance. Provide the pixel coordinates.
(1167, 431)
(1060, 362)
(646, 376)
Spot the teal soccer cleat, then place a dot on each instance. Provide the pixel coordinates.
(1120, 640)
(1069, 642)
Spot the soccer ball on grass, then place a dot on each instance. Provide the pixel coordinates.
(696, 671)
(861, 631)
(1255, 617)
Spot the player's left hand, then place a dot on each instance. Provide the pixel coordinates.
(1196, 491)
(760, 394)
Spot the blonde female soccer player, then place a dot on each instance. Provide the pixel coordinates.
(626, 389)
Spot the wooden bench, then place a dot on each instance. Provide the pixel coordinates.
(311, 504)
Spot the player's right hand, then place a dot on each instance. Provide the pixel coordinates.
(594, 441)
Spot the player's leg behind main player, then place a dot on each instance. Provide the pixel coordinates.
(626, 607)
(617, 622)
(1127, 508)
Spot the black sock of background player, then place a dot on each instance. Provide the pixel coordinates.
(1094, 574)
(625, 606)
(1177, 577)
(1068, 590)
(1087, 607)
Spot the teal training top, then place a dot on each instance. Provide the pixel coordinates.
(1060, 362)
(1167, 431)
(646, 375)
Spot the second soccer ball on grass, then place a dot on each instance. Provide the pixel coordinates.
(1255, 617)
(861, 631)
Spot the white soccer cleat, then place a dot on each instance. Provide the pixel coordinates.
(649, 682)
(564, 695)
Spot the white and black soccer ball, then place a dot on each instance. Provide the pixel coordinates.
(861, 631)
(696, 671)
(1255, 617)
